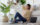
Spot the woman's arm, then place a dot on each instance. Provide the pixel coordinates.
(32, 9)
(23, 7)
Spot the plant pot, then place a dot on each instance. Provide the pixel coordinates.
(5, 19)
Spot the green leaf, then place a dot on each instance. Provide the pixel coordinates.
(23, 1)
(1, 7)
(8, 7)
(5, 8)
(3, 4)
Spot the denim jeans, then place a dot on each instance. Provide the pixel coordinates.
(21, 18)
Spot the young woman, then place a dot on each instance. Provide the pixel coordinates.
(25, 16)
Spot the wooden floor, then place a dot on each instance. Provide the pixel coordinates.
(6, 23)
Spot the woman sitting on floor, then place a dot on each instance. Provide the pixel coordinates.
(25, 17)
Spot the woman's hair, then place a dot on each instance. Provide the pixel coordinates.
(29, 6)
(17, 1)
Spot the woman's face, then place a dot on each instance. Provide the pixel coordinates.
(26, 7)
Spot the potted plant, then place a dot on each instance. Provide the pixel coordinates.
(23, 2)
(5, 10)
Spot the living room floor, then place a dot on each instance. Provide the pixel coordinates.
(6, 23)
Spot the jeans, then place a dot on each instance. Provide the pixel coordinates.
(21, 18)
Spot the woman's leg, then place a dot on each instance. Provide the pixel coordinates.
(20, 17)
